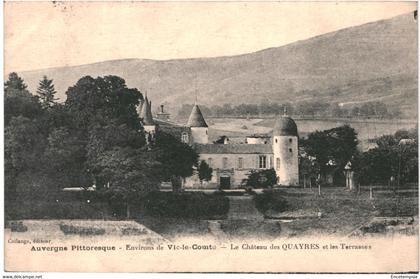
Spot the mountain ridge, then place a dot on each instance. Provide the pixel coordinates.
(369, 61)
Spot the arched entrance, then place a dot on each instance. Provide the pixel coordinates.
(225, 182)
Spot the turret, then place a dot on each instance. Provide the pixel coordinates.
(147, 118)
(199, 128)
(285, 151)
(140, 107)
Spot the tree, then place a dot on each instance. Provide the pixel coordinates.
(131, 174)
(205, 172)
(331, 148)
(308, 168)
(177, 159)
(106, 123)
(120, 165)
(23, 149)
(98, 101)
(18, 101)
(65, 157)
(391, 157)
(24, 138)
(15, 82)
(104, 138)
(47, 93)
(262, 178)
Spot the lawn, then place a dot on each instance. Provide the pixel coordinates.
(289, 212)
(338, 211)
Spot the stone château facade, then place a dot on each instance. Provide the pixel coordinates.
(232, 162)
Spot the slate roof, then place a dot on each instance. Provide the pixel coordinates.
(285, 126)
(146, 113)
(139, 107)
(196, 118)
(233, 148)
(172, 128)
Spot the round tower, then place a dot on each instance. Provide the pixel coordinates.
(199, 128)
(285, 151)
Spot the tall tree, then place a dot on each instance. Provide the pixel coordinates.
(24, 138)
(46, 92)
(395, 155)
(99, 100)
(15, 82)
(18, 101)
(24, 145)
(130, 174)
(331, 148)
(308, 168)
(177, 159)
(65, 157)
(105, 138)
(205, 172)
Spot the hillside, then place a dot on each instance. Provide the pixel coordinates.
(374, 61)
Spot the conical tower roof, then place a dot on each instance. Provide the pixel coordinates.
(140, 107)
(196, 118)
(146, 113)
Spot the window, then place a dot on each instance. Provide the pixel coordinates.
(276, 140)
(225, 162)
(184, 137)
(290, 140)
(290, 150)
(262, 163)
(277, 163)
(240, 163)
(209, 161)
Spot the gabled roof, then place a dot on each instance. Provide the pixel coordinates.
(233, 148)
(146, 113)
(196, 118)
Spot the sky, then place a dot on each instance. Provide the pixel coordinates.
(53, 34)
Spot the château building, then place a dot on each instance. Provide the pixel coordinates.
(231, 162)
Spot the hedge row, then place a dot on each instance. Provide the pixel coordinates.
(56, 210)
(161, 204)
(270, 201)
(186, 205)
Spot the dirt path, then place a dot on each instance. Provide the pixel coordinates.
(243, 208)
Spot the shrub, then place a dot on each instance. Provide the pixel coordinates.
(270, 201)
(133, 231)
(374, 228)
(186, 205)
(56, 210)
(18, 227)
(70, 229)
(261, 178)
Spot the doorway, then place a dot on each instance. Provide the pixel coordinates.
(225, 182)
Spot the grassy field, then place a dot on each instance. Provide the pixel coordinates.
(336, 212)
(341, 214)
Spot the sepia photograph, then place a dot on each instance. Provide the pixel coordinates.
(239, 137)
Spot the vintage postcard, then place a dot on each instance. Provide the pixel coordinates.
(252, 137)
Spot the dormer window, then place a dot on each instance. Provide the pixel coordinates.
(184, 137)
